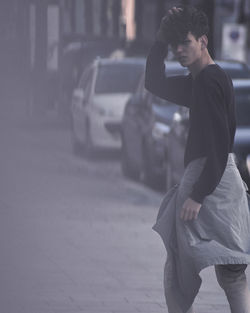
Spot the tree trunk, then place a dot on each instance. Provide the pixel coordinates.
(116, 12)
(139, 19)
(73, 16)
(104, 18)
(89, 17)
(40, 57)
(161, 10)
(14, 56)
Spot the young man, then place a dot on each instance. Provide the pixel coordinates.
(211, 215)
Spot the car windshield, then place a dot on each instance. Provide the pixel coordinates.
(163, 108)
(242, 98)
(165, 103)
(118, 78)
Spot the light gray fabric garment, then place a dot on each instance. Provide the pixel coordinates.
(232, 279)
(220, 235)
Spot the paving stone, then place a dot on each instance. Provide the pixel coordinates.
(76, 236)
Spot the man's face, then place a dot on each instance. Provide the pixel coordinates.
(188, 51)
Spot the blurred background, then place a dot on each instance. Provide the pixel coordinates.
(87, 153)
(45, 44)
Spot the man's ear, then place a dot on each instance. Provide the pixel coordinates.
(204, 41)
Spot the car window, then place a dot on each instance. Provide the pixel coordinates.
(242, 99)
(118, 78)
(162, 102)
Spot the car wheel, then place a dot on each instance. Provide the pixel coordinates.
(77, 146)
(128, 169)
(149, 177)
(169, 176)
(88, 146)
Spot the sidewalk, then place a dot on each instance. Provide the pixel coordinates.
(76, 236)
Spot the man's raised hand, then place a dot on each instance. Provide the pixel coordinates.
(162, 33)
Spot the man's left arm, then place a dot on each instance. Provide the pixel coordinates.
(213, 125)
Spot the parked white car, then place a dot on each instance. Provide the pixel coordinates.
(98, 102)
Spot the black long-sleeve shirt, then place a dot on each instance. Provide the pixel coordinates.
(210, 97)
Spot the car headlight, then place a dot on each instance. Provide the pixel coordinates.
(248, 163)
(160, 131)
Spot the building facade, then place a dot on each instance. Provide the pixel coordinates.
(36, 33)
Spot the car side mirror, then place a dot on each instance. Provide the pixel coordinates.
(79, 93)
(78, 96)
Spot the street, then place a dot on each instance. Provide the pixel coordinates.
(75, 235)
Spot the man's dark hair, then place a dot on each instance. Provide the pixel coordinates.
(188, 20)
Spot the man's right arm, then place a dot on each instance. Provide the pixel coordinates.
(175, 89)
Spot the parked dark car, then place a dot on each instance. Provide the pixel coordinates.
(145, 126)
(176, 139)
(235, 69)
(146, 123)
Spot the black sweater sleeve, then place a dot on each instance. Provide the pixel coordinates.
(176, 89)
(210, 113)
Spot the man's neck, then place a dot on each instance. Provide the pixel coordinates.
(200, 64)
